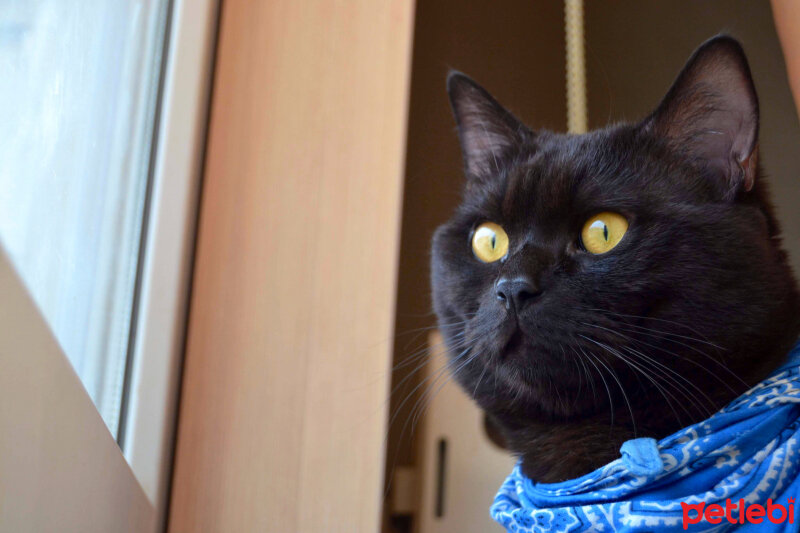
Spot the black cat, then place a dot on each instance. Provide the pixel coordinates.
(626, 282)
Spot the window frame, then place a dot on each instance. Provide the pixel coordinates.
(148, 415)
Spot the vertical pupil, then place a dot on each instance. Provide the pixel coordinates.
(605, 232)
(494, 241)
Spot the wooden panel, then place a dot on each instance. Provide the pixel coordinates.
(282, 416)
(60, 468)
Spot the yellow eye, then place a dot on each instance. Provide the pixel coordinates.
(489, 242)
(603, 232)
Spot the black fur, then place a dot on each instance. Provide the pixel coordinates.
(695, 304)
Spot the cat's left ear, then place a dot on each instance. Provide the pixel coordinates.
(488, 132)
(711, 114)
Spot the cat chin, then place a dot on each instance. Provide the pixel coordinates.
(513, 350)
(523, 404)
(527, 386)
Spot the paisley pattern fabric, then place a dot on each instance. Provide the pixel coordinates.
(747, 451)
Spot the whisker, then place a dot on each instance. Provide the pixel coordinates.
(665, 369)
(664, 392)
(424, 350)
(607, 311)
(480, 378)
(622, 390)
(422, 364)
(438, 373)
(653, 333)
(674, 381)
(697, 364)
(670, 381)
(586, 372)
(580, 377)
(590, 359)
(432, 395)
(671, 334)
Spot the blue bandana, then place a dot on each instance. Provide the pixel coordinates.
(747, 453)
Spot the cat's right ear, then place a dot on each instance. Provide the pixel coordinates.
(487, 131)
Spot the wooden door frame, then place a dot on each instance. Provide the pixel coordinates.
(282, 418)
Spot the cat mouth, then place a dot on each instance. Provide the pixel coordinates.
(514, 347)
(526, 359)
(516, 352)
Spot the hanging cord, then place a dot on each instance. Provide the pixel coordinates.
(576, 67)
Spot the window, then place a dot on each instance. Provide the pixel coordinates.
(77, 112)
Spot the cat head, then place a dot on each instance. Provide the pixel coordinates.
(617, 258)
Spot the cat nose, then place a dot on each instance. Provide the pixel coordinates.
(516, 292)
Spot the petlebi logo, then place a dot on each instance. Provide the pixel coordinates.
(738, 513)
